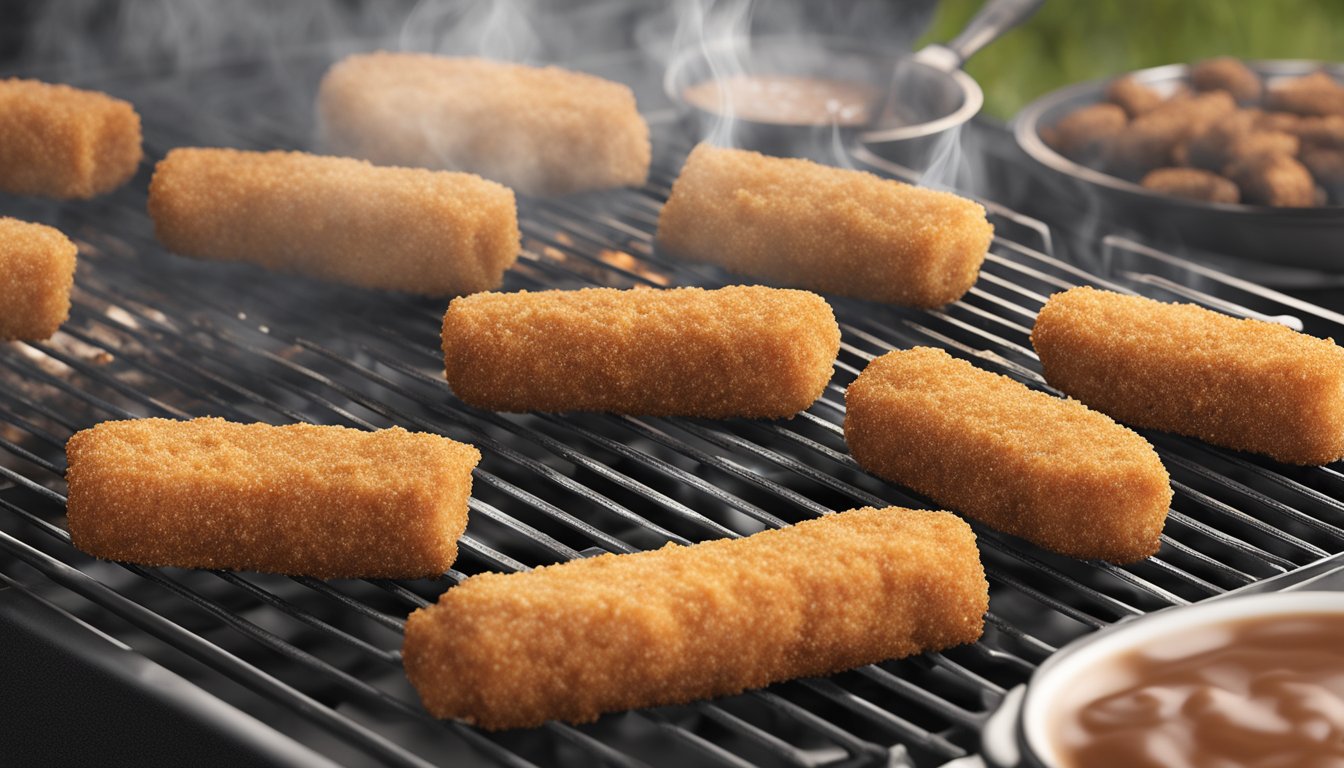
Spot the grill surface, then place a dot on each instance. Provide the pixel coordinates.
(155, 335)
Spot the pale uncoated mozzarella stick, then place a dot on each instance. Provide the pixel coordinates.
(63, 142)
(572, 641)
(1050, 470)
(401, 229)
(37, 270)
(1244, 384)
(540, 130)
(827, 229)
(303, 500)
(746, 351)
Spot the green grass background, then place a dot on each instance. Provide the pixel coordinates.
(1072, 40)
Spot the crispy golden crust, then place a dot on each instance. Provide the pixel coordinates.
(1226, 73)
(827, 229)
(1243, 384)
(744, 351)
(402, 229)
(1276, 179)
(37, 270)
(1315, 94)
(571, 641)
(1085, 134)
(1191, 183)
(1132, 96)
(63, 142)
(328, 502)
(1047, 469)
(542, 131)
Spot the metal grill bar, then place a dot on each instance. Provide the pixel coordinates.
(177, 349)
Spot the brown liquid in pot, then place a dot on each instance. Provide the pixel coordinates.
(785, 100)
(1262, 693)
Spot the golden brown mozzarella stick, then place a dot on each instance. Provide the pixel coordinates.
(572, 641)
(401, 229)
(63, 142)
(827, 229)
(306, 500)
(1047, 469)
(1244, 384)
(747, 351)
(542, 131)
(37, 269)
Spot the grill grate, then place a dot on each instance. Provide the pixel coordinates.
(153, 335)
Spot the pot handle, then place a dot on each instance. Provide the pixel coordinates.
(993, 19)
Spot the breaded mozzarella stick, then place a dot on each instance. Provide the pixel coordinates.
(572, 641)
(37, 269)
(745, 351)
(307, 500)
(542, 131)
(1049, 470)
(1243, 384)
(826, 229)
(401, 229)
(63, 142)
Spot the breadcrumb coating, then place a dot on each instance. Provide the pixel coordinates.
(1047, 469)
(1315, 94)
(1226, 73)
(304, 500)
(542, 131)
(37, 270)
(1132, 96)
(1243, 384)
(827, 229)
(401, 229)
(1192, 183)
(746, 351)
(572, 641)
(65, 143)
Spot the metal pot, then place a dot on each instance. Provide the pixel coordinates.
(919, 99)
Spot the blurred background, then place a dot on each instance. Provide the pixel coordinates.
(1066, 41)
(1070, 41)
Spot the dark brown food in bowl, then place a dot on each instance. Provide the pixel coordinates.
(1193, 184)
(1227, 74)
(1276, 121)
(1320, 132)
(1315, 94)
(1085, 135)
(1132, 96)
(1234, 138)
(1151, 139)
(1325, 163)
(1276, 180)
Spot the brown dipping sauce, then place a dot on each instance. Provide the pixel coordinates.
(1262, 693)
(785, 99)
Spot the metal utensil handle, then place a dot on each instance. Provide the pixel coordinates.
(993, 19)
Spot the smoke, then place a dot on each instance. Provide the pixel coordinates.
(146, 50)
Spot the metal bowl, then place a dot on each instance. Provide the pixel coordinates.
(1015, 736)
(931, 101)
(1300, 237)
